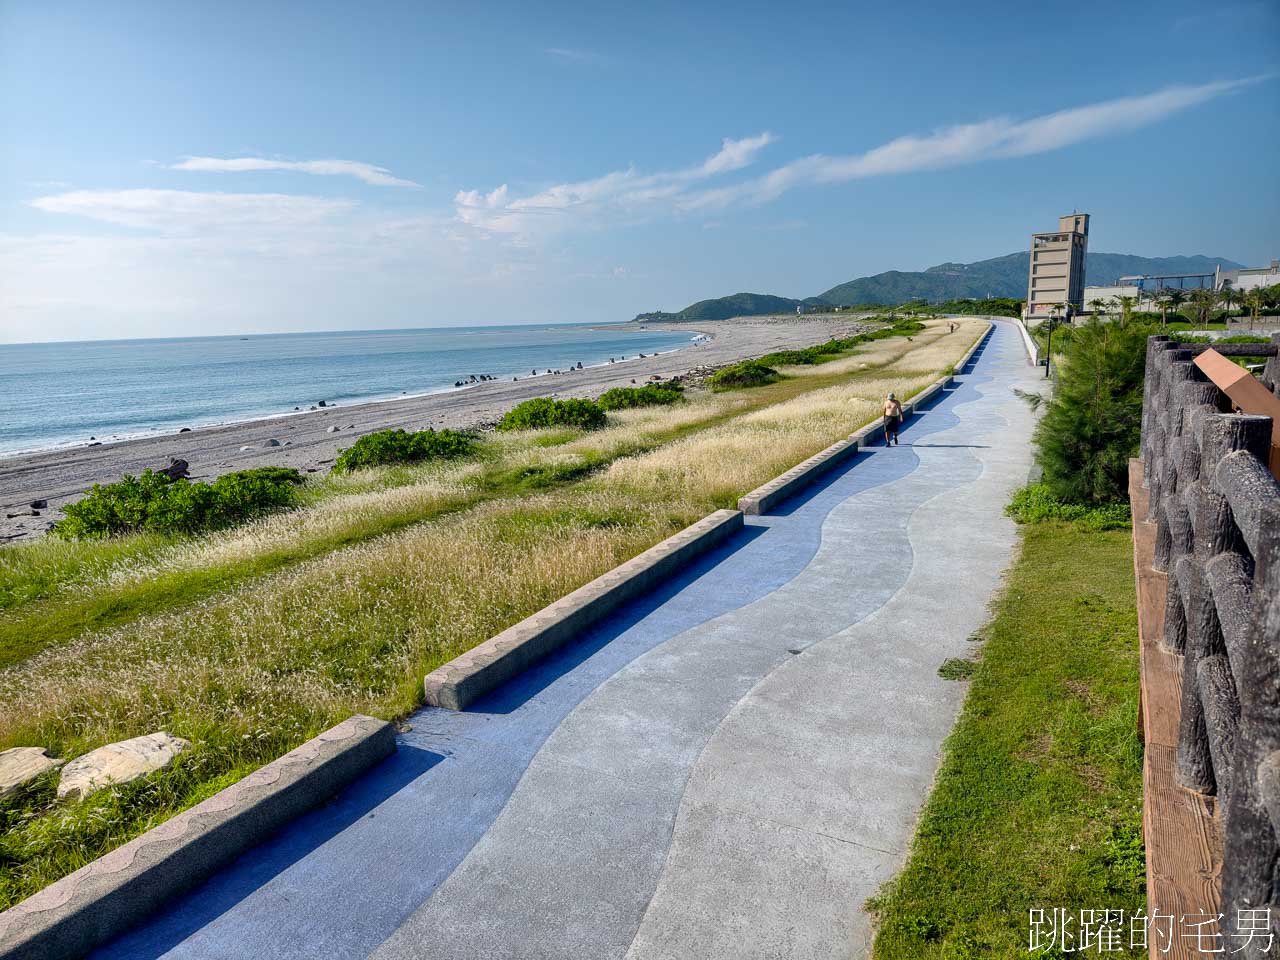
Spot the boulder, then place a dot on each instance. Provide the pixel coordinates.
(39, 504)
(185, 430)
(20, 764)
(333, 429)
(118, 763)
(271, 442)
(321, 403)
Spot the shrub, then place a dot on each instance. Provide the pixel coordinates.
(748, 373)
(1091, 423)
(155, 503)
(650, 395)
(831, 349)
(400, 446)
(1036, 503)
(541, 412)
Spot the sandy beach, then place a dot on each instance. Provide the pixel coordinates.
(309, 440)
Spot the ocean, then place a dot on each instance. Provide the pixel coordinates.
(62, 394)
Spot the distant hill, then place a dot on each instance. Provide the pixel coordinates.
(1003, 277)
(722, 308)
(998, 277)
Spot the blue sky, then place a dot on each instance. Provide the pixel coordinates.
(199, 168)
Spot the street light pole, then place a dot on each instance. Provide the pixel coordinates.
(1048, 353)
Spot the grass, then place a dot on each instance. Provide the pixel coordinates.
(1037, 804)
(250, 641)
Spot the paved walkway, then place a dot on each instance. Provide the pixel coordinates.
(728, 768)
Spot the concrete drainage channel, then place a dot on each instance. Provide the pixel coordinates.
(105, 898)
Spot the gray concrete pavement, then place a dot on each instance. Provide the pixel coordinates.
(726, 768)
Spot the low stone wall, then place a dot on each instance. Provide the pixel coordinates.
(105, 898)
(765, 498)
(487, 666)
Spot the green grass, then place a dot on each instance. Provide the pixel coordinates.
(1037, 803)
(250, 641)
(55, 591)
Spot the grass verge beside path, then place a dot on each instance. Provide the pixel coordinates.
(1037, 804)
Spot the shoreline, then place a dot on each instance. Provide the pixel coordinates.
(197, 425)
(310, 439)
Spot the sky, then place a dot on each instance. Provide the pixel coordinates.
(185, 169)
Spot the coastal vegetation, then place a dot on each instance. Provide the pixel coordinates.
(543, 412)
(649, 395)
(159, 503)
(748, 373)
(249, 640)
(386, 447)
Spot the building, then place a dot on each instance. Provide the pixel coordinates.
(1056, 276)
(1248, 278)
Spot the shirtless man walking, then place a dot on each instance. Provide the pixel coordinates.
(892, 420)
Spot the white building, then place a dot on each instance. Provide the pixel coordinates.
(1248, 278)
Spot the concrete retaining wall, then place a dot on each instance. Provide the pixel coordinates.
(105, 898)
(1029, 343)
(763, 499)
(485, 667)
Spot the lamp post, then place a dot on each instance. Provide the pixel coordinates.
(1048, 352)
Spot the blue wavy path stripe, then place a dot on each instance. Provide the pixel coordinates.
(672, 785)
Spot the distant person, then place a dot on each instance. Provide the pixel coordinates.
(892, 420)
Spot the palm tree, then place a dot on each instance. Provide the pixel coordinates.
(1126, 308)
(1175, 297)
(1099, 305)
(1202, 302)
(1230, 297)
(1254, 301)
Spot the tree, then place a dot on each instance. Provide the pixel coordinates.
(1099, 306)
(1091, 423)
(1176, 297)
(1126, 307)
(1254, 301)
(1230, 297)
(1202, 303)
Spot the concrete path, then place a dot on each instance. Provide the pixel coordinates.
(728, 768)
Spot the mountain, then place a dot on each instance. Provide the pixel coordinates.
(998, 277)
(722, 308)
(1003, 277)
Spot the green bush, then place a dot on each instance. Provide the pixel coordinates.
(748, 373)
(832, 349)
(1036, 503)
(153, 502)
(542, 412)
(650, 395)
(1092, 421)
(400, 446)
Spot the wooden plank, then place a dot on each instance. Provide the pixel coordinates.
(1248, 395)
(1182, 834)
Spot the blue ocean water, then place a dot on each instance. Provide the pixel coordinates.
(56, 394)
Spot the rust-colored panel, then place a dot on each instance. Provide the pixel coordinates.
(1248, 395)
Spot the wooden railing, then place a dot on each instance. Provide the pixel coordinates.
(1216, 509)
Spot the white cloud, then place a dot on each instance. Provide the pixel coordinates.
(969, 143)
(622, 191)
(570, 55)
(367, 172)
(183, 211)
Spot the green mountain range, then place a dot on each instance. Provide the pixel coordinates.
(998, 277)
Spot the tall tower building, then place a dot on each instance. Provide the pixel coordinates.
(1057, 267)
